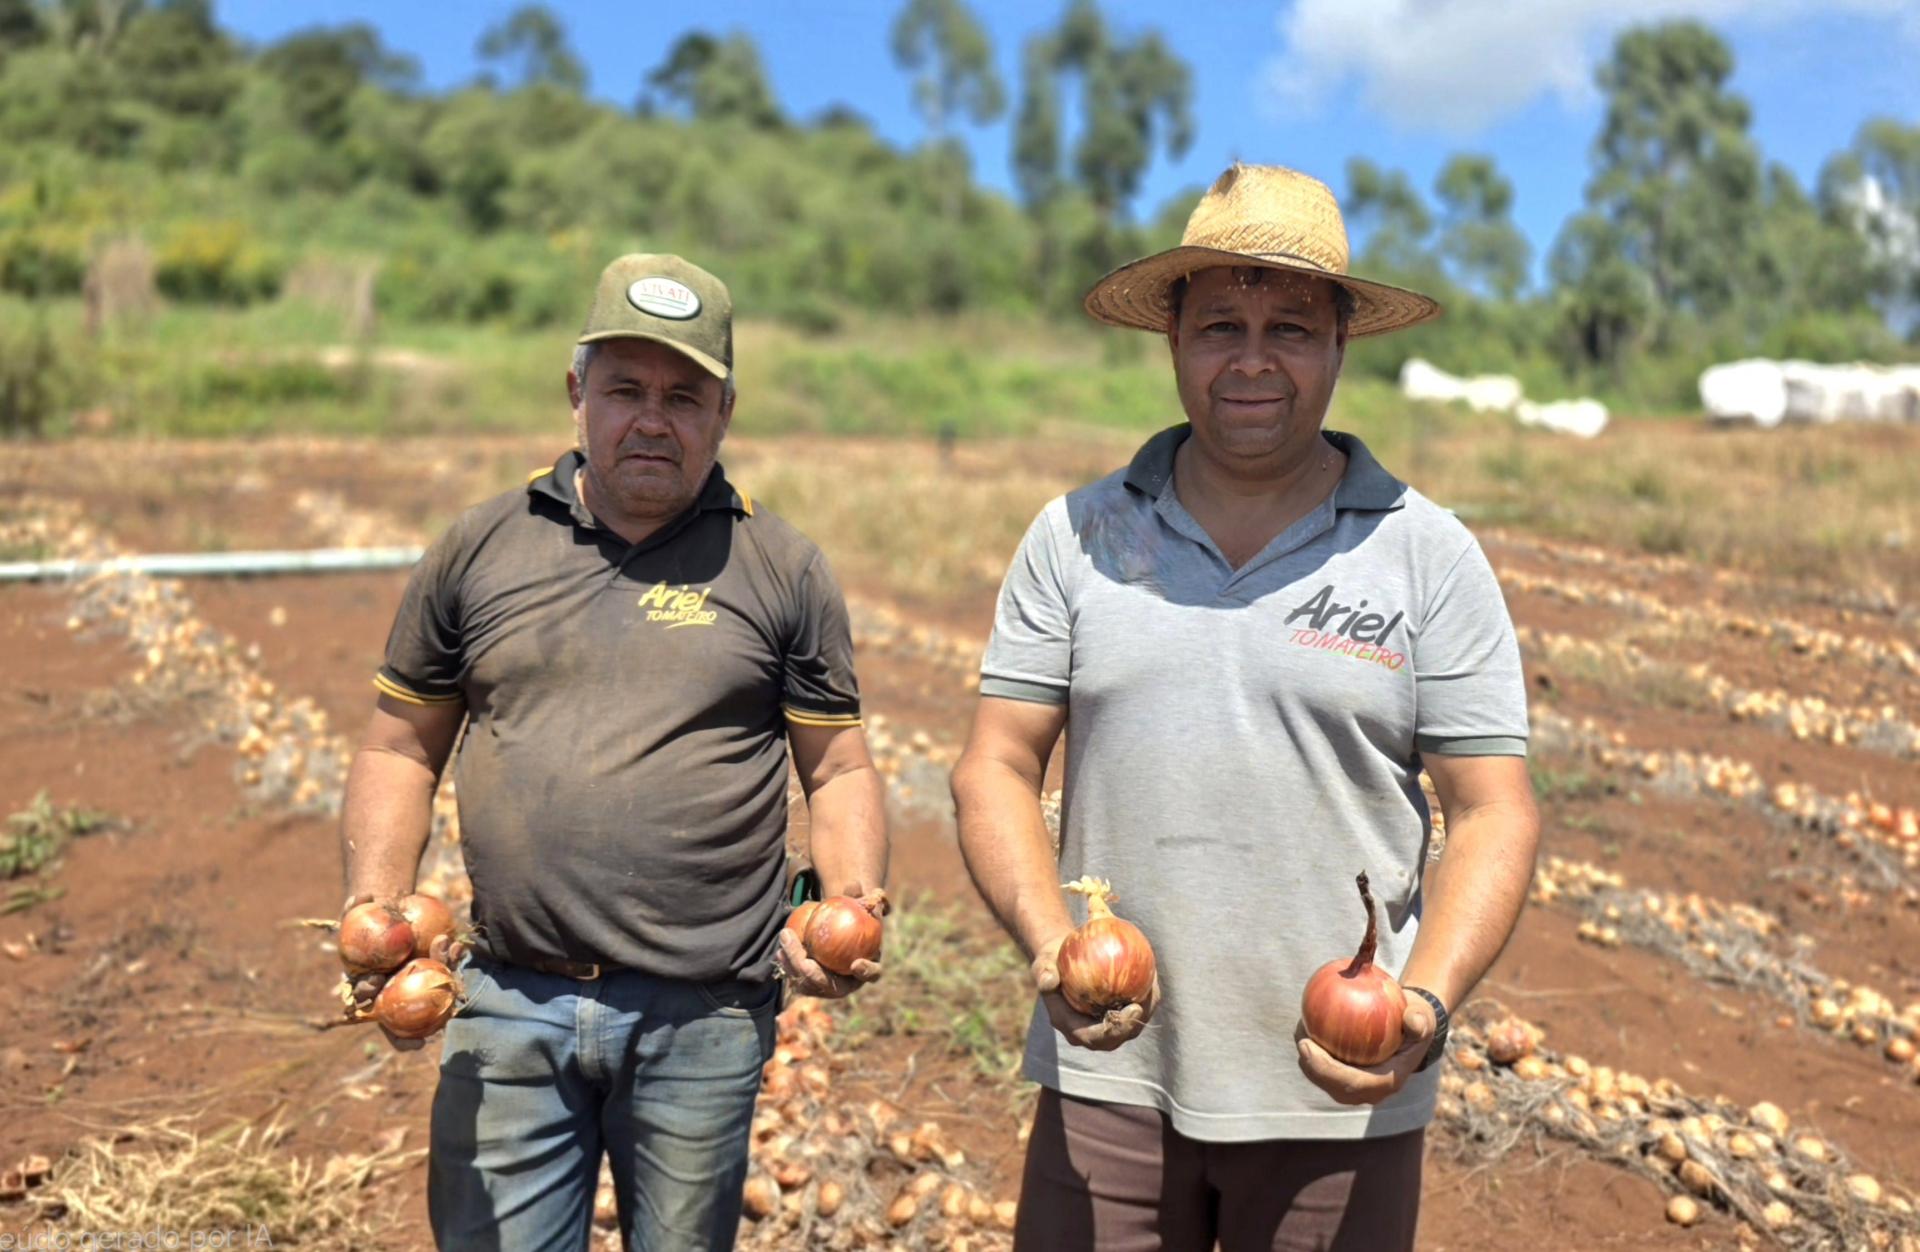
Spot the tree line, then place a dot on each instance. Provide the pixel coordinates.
(497, 199)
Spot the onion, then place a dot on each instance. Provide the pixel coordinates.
(1107, 963)
(1354, 1009)
(1508, 1040)
(797, 920)
(827, 1200)
(418, 1000)
(375, 938)
(841, 931)
(429, 918)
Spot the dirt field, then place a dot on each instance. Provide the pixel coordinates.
(1740, 746)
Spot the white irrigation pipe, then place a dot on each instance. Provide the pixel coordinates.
(226, 564)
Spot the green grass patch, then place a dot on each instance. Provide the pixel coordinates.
(947, 982)
(1554, 784)
(30, 846)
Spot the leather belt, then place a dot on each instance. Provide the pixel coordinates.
(581, 971)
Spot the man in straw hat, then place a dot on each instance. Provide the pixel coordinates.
(1255, 638)
(636, 649)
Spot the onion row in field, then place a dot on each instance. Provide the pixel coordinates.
(1882, 600)
(1736, 944)
(1884, 837)
(1790, 1185)
(1804, 718)
(289, 757)
(1813, 642)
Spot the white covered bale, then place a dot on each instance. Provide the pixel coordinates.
(1484, 393)
(1770, 392)
(1745, 391)
(1585, 417)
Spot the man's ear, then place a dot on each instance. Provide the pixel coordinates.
(573, 390)
(726, 410)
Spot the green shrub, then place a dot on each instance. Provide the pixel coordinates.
(41, 263)
(35, 377)
(217, 263)
(267, 383)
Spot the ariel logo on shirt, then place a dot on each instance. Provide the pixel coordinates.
(678, 606)
(1359, 634)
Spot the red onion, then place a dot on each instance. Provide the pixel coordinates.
(375, 938)
(1354, 1009)
(1107, 963)
(841, 931)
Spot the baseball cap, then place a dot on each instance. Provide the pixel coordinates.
(668, 300)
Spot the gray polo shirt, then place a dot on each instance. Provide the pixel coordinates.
(623, 776)
(1240, 744)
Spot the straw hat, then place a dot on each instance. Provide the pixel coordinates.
(1265, 216)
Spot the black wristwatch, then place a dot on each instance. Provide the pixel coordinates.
(1441, 1020)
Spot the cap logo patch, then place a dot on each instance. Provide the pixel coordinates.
(663, 297)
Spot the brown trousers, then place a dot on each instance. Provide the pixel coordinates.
(1116, 1178)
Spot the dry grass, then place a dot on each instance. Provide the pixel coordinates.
(1835, 505)
(927, 526)
(169, 1176)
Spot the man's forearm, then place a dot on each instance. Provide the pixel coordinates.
(848, 836)
(1003, 837)
(1474, 897)
(388, 814)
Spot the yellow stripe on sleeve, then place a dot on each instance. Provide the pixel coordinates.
(800, 717)
(386, 686)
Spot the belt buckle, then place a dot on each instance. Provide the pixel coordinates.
(592, 975)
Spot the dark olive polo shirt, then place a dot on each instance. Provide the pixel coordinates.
(623, 776)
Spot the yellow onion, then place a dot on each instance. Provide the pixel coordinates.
(840, 931)
(429, 919)
(419, 1000)
(1354, 1009)
(375, 938)
(797, 920)
(1107, 963)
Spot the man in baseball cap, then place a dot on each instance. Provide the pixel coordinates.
(635, 648)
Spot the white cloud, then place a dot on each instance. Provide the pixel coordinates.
(1456, 66)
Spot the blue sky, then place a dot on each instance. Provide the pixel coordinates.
(1306, 83)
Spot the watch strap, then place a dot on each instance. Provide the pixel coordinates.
(1442, 1021)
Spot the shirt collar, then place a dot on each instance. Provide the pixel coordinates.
(1364, 485)
(558, 484)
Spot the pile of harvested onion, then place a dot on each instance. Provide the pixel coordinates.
(1786, 1181)
(830, 1172)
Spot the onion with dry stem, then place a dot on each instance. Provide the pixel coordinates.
(1107, 963)
(1354, 1009)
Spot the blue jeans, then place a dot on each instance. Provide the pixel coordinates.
(540, 1074)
